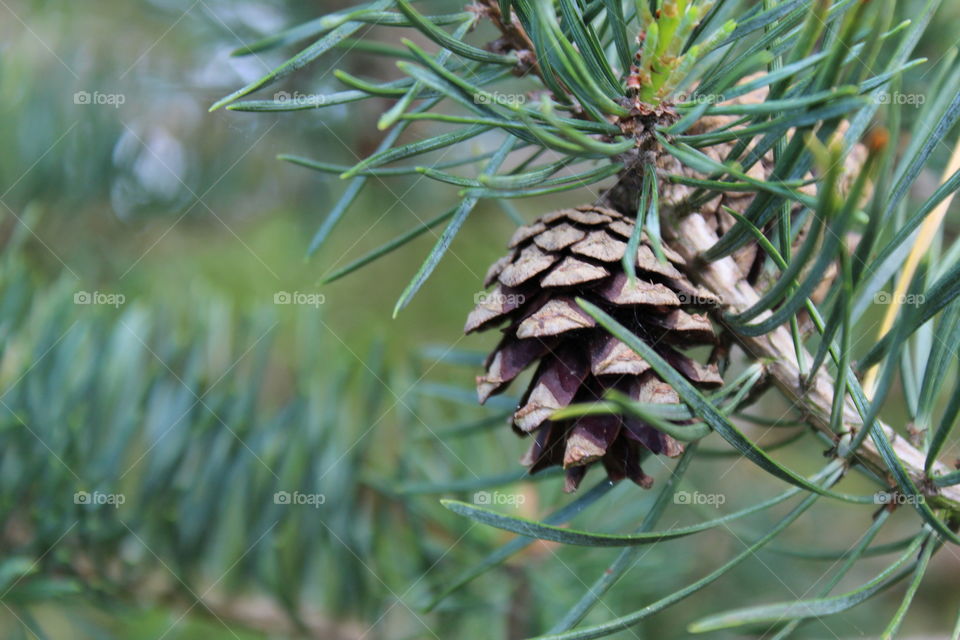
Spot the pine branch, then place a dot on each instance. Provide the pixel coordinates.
(652, 91)
(692, 237)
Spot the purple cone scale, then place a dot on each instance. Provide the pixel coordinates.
(531, 298)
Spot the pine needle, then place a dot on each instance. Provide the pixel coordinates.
(921, 245)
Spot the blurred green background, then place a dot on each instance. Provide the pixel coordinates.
(186, 390)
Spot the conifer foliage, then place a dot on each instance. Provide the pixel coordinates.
(741, 183)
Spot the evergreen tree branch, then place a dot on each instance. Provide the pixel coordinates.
(692, 237)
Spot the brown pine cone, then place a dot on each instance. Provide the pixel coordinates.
(578, 253)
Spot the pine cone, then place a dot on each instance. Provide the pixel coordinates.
(578, 253)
